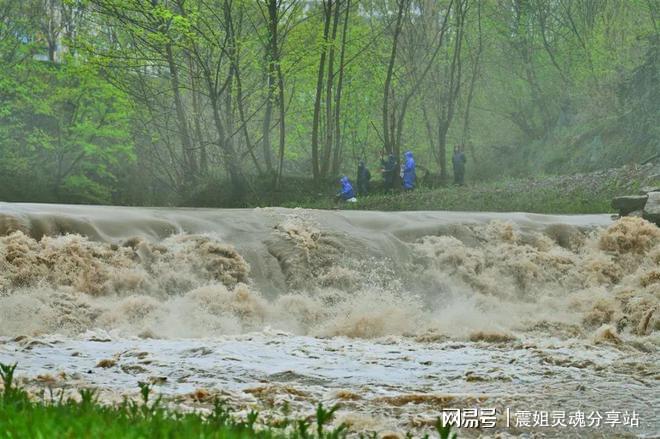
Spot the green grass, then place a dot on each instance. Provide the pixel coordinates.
(568, 194)
(22, 417)
(506, 196)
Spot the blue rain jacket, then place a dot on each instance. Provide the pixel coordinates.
(346, 191)
(409, 175)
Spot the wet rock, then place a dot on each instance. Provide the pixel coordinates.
(629, 203)
(652, 208)
(645, 190)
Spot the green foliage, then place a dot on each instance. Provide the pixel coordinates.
(444, 431)
(64, 133)
(88, 398)
(7, 376)
(152, 103)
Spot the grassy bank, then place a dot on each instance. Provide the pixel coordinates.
(52, 417)
(581, 193)
(494, 198)
(575, 193)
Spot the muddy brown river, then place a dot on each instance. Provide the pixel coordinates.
(509, 324)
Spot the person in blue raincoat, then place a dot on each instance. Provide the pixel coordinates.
(409, 175)
(346, 192)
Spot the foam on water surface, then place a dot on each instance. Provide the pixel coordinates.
(395, 315)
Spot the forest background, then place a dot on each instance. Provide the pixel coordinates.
(255, 102)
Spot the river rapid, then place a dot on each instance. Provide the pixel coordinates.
(541, 320)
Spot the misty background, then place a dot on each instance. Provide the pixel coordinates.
(208, 102)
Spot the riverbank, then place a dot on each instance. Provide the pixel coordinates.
(560, 194)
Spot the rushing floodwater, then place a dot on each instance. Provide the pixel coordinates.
(396, 316)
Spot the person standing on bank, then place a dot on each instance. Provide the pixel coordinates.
(458, 161)
(409, 175)
(387, 170)
(363, 177)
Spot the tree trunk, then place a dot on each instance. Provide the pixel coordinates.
(476, 65)
(329, 114)
(327, 8)
(189, 173)
(229, 157)
(271, 61)
(236, 71)
(265, 128)
(281, 105)
(197, 117)
(452, 91)
(340, 82)
(443, 127)
(387, 126)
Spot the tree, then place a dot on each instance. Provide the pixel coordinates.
(415, 68)
(278, 18)
(66, 134)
